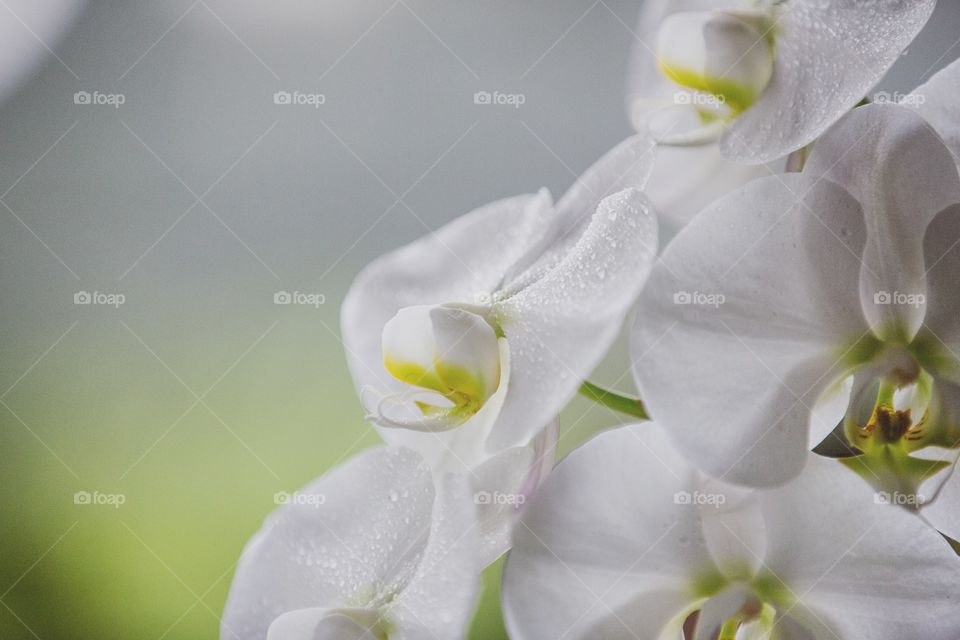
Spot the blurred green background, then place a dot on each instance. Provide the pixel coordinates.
(197, 200)
(197, 478)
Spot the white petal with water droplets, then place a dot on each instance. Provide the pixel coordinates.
(439, 600)
(357, 536)
(829, 54)
(561, 326)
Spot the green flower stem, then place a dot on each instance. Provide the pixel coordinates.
(613, 400)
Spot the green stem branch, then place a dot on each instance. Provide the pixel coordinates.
(613, 400)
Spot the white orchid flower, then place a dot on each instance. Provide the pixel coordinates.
(765, 77)
(373, 550)
(778, 294)
(686, 178)
(467, 343)
(626, 541)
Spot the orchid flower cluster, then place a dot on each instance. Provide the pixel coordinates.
(795, 344)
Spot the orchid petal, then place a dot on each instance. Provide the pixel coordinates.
(943, 512)
(606, 549)
(899, 170)
(828, 55)
(560, 326)
(755, 299)
(497, 486)
(357, 535)
(439, 600)
(592, 557)
(936, 100)
(941, 330)
(872, 572)
(321, 624)
(717, 610)
(627, 166)
(829, 410)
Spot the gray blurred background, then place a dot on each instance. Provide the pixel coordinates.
(198, 199)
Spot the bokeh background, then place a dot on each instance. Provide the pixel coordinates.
(199, 198)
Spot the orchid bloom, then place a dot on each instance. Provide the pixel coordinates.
(374, 550)
(467, 343)
(625, 540)
(764, 77)
(830, 297)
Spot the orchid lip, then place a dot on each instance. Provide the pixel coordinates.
(448, 356)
